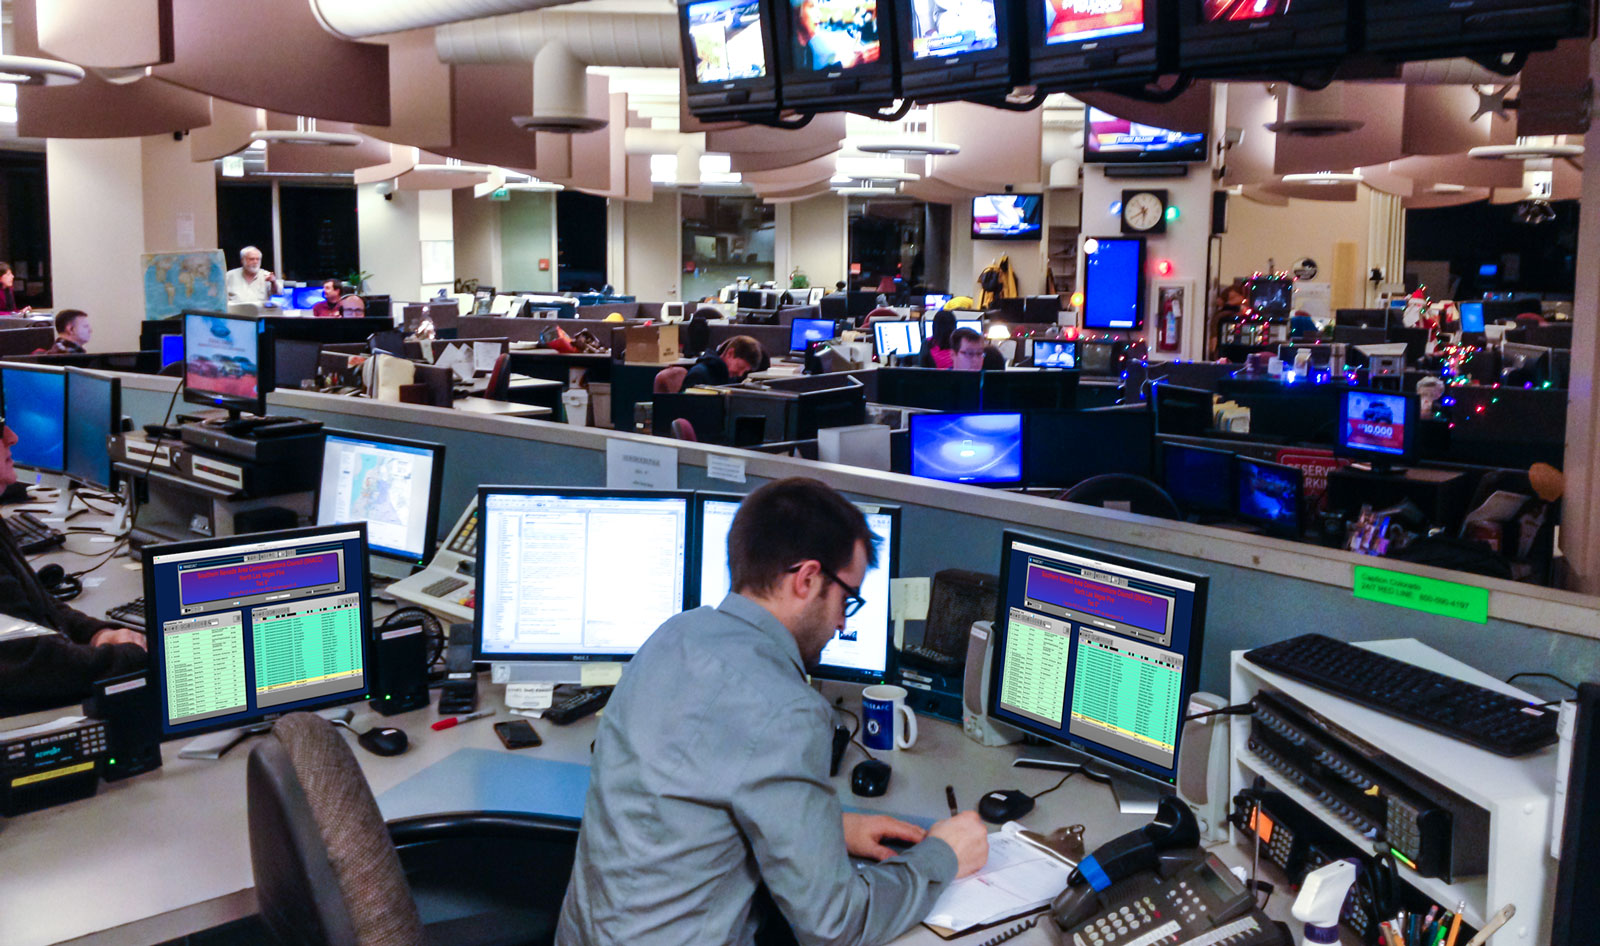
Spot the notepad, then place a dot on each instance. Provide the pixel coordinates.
(1019, 877)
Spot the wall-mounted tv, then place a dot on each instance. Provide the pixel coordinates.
(837, 54)
(1108, 139)
(1007, 217)
(952, 49)
(1113, 283)
(1418, 29)
(727, 48)
(1079, 44)
(1242, 38)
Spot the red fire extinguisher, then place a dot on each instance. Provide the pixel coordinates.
(1170, 327)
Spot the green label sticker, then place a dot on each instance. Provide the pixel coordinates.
(1445, 598)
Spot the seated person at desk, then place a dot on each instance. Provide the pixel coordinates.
(690, 810)
(51, 669)
(338, 302)
(250, 283)
(8, 292)
(72, 332)
(735, 358)
(940, 350)
(971, 353)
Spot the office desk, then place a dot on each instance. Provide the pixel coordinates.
(479, 405)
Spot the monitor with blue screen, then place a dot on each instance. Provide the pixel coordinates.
(975, 324)
(1199, 479)
(35, 410)
(171, 349)
(803, 333)
(1055, 353)
(860, 653)
(933, 302)
(94, 415)
(305, 297)
(248, 628)
(981, 449)
(1113, 283)
(390, 484)
(1472, 317)
(896, 338)
(1099, 654)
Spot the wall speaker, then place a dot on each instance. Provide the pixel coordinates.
(133, 724)
(975, 721)
(1203, 766)
(400, 652)
(1219, 212)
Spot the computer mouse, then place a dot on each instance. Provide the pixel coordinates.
(1000, 806)
(383, 740)
(870, 778)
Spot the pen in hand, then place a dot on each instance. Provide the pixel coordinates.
(950, 796)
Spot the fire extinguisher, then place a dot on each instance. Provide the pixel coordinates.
(1169, 329)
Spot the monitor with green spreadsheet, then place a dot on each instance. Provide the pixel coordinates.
(244, 629)
(1098, 654)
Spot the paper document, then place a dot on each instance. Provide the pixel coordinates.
(484, 355)
(456, 358)
(1018, 878)
(530, 696)
(1499, 507)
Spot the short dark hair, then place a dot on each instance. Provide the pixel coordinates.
(964, 334)
(790, 521)
(5, 268)
(65, 316)
(745, 347)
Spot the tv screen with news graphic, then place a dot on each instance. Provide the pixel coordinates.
(1007, 217)
(1375, 422)
(1215, 10)
(952, 27)
(1077, 21)
(832, 35)
(726, 39)
(1107, 138)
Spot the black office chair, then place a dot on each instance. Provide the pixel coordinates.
(1141, 495)
(328, 872)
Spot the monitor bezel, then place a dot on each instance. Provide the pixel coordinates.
(861, 87)
(114, 426)
(729, 98)
(485, 491)
(1160, 390)
(435, 488)
(153, 638)
(1191, 660)
(1127, 58)
(1271, 526)
(923, 420)
(1221, 48)
(1378, 458)
(1139, 291)
(265, 367)
(987, 73)
(1071, 342)
(1413, 29)
(1166, 447)
(60, 372)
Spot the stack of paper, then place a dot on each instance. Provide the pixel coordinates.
(1020, 877)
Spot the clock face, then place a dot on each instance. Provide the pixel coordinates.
(1143, 211)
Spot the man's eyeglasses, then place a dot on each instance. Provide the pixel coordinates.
(853, 601)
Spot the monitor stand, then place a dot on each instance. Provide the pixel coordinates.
(215, 745)
(1135, 794)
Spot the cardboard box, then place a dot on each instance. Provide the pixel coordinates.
(650, 344)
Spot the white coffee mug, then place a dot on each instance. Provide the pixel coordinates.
(886, 721)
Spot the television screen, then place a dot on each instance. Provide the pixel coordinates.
(942, 28)
(1374, 422)
(1074, 21)
(172, 349)
(967, 448)
(1113, 283)
(1055, 354)
(833, 35)
(222, 361)
(803, 332)
(1471, 317)
(1215, 10)
(1244, 38)
(1007, 217)
(725, 37)
(935, 302)
(305, 297)
(1109, 139)
(1269, 495)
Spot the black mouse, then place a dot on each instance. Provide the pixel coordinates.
(1000, 806)
(870, 778)
(383, 740)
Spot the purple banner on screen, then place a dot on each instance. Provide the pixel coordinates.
(257, 578)
(1091, 597)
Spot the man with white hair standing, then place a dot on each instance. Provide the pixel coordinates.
(251, 283)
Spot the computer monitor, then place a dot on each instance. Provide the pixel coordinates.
(803, 333)
(35, 398)
(244, 629)
(842, 403)
(1269, 495)
(1055, 353)
(305, 297)
(1471, 317)
(1378, 426)
(1113, 283)
(896, 338)
(388, 483)
(1199, 479)
(1576, 915)
(567, 576)
(933, 301)
(706, 413)
(94, 415)
(930, 388)
(1181, 411)
(1098, 654)
(861, 653)
(1524, 365)
(1362, 318)
(978, 449)
(975, 324)
(1415, 340)
(227, 361)
(1063, 448)
(171, 348)
(1024, 389)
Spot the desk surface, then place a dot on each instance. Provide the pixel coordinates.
(478, 405)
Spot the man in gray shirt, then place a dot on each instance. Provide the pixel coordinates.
(710, 772)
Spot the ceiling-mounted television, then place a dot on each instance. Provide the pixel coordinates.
(727, 59)
(1431, 29)
(955, 49)
(1108, 139)
(1007, 217)
(1245, 38)
(837, 55)
(1081, 44)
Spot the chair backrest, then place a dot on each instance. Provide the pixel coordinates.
(683, 430)
(669, 380)
(499, 388)
(1138, 493)
(325, 868)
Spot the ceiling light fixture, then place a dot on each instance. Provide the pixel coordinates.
(906, 147)
(30, 70)
(305, 133)
(1524, 152)
(1323, 178)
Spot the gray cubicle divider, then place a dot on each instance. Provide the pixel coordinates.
(1262, 589)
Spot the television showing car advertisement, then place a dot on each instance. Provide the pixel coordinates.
(952, 27)
(1075, 21)
(726, 36)
(1376, 422)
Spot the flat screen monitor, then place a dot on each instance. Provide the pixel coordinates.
(975, 324)
(980, 449)
(1380, 426)
(1055, 353)
(803, 333)
(836, 54)
(1575, 919)
(94, 415)
(896, 338)
(861, 652)
(251, 627)
(1430, 29)
(1270, 296)
(1108, 139)
(35, 399)
(1524, 365)
(1239, 38)
(388, 483)
(305, 297)
(227, 361)
(930, 388)
(1064, 448)
(1181, 411)
(1361, 318)
(933, 302)
(1269, 495)
(954, 48)
(726, 47)
(706, 413)
(572, 575)
(1199, 479)
(1471, 317)
(840, 405)
(1097, 653)
(445, 316)
(1007, 217)
(1074, 45)
(1113, 283)
(1022, 389)
(171, 349)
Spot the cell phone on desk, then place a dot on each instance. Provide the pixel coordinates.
(517, 734)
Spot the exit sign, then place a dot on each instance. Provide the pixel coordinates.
(501, 194)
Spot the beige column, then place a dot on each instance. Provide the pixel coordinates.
(1581, 507)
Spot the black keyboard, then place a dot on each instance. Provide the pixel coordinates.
(32, 534)
(131, 614)
(1485, 718)
(935, 660)
(577, 704)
